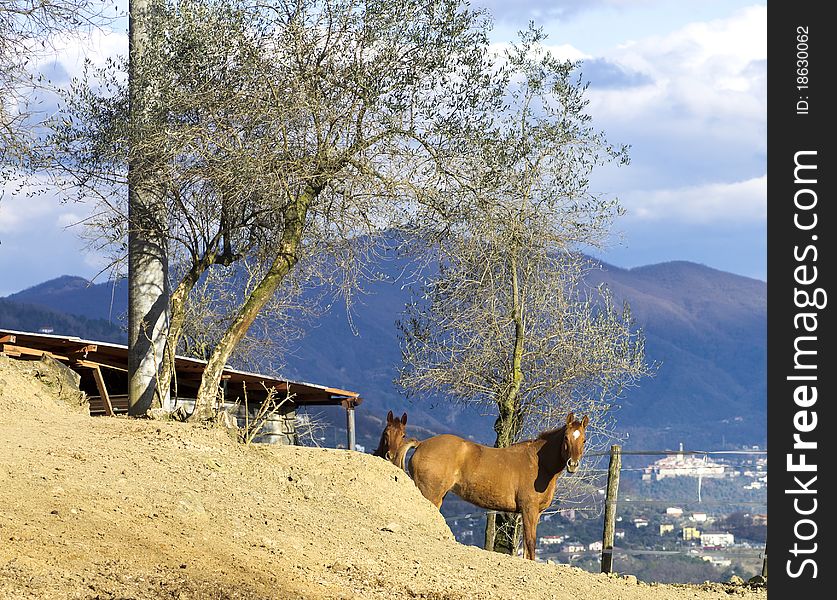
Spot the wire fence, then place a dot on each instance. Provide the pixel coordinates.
(678, 452)
(635, 501)
(756, 469)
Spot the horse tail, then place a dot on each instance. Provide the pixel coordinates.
(401, 455)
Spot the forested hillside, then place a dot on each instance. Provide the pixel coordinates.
(706, 332)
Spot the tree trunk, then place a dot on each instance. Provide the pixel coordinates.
(286, 258)
(507, 539)
(509, 423)
(148, 290)
(147, 323)
(177, 309)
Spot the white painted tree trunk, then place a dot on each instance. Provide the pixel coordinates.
(148, 289)
(148, 322)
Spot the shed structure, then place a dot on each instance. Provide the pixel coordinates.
(103, 367)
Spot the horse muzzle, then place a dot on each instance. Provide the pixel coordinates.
(572, 465)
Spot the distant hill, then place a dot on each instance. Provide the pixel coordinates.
(706, 330)
(29, 317)
(78, 296)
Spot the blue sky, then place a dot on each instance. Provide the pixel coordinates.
(681, 81)
(684, 83)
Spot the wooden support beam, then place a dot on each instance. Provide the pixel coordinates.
(7, 339)
(103, 390)
(13, 350)
(94, 364)
(83, 351)
(339, 392)
(347, 403)
(9, 350)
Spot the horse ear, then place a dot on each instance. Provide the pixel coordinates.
(585, 421)
(390, 418)
(404, 419)
(570, 418)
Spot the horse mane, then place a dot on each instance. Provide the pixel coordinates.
(545, 435)
(379, 451)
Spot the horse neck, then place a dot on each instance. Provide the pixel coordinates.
(379, 451)
(553, 458)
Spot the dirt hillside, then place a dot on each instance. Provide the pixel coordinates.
(107, 508)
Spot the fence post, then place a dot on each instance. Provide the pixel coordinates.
(610, 507)
(764, 564)
(350, 426)
(490, 530)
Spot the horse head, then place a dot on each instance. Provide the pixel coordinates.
(393, 436)
(573, 444)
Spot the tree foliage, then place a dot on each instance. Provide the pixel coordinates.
(507, 321)
(289, 133)
(28, 29)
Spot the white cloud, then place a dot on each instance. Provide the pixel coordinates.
(701, 73)
(24, 207)
(742, 201)
(36, 243)
(697, 123)
(71, 50)
(71, 219)
(552, 8)
(566, 52)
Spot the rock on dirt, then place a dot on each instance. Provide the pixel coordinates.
(113, 507)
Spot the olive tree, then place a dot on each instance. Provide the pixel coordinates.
(288, 133)
(168, 135)
(507, 321)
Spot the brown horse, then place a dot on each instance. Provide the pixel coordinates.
(392, 438)
(520, 478)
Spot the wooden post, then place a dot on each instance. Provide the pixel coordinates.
(490, 530)
(764, 564)
(610, 507)
(103, 391)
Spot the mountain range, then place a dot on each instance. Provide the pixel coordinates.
(706, 333)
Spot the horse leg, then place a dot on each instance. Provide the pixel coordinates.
(530, 526)
(437, 500)
(434, 493)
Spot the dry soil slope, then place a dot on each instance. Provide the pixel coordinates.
(123, 508)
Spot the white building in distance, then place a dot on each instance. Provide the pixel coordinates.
(716, 539)
(548, 540)
(683, 465)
